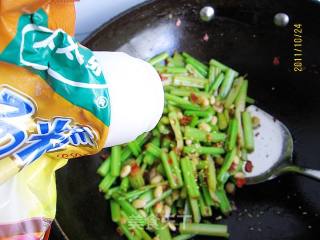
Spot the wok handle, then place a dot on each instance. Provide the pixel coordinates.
(315, 174)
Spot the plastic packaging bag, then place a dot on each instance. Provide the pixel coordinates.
(48, 113)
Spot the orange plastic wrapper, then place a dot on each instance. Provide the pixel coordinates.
(54, 105)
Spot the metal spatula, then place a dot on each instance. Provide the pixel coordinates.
(273, 150)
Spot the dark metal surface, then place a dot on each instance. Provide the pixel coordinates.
(243, 36)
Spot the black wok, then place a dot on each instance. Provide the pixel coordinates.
(243, 36)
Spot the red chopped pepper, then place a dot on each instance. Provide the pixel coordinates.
(249, 166)
(240, 182)
(185, 120)
(170, 161)
(134, 168)
(194, 98)
(276, 61)
(178, 22)
(233, 166)
(205, 37)
(163, 78)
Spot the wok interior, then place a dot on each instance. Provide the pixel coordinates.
(244, 37)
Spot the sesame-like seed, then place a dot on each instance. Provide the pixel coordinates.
(158, 208)
(172, 226)
(188, 142)
(214, 120)
(125, 171)
(212, 100)
(158, 191)
(139, 203)
(156, 179)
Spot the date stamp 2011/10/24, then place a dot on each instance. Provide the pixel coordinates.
(297, 48)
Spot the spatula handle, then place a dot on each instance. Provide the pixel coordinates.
(315, 174)
(311, 173)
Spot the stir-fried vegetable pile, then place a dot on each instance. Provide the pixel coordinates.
(171, 181)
